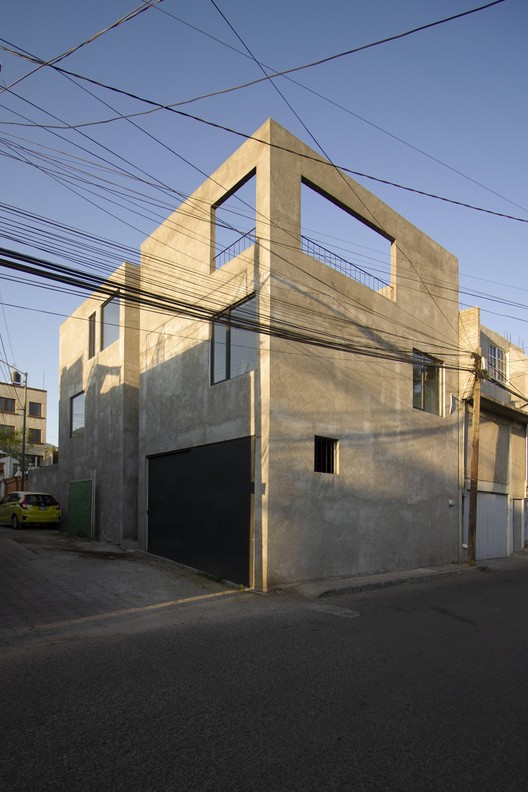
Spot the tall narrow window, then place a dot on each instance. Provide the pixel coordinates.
(77, 414)
(325, 455)
(110, 322)
(35, 436)
(234, 347)
(496, 363)
(91, 335)
(426, 383)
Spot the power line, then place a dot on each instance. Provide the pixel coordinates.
(131, 15)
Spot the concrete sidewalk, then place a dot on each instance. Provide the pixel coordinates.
(353, 585)
(48, 578)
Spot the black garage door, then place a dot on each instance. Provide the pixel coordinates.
(200, 507)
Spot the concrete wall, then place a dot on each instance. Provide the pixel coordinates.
(388, 507)
(106, 450)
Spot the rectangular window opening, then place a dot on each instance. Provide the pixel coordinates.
(91, 335)
(110, 316)
(325, 455)
(77, 414)
(35, 409)
(496, 363)
(427, 381)
(35, 436)
(234, 342)
(234, 221)
(7, 405)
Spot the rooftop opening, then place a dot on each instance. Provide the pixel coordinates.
(234, 221)
(344, 241)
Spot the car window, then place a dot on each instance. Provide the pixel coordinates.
(40, 499)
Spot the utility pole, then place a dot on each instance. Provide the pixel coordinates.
(474, 473)
(24, 431)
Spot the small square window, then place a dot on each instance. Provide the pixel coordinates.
(325, 455)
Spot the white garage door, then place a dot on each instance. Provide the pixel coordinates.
(492, 526)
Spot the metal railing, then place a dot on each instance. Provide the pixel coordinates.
(235, 248)
(342, 265)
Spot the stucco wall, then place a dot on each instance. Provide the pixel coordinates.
(106, 449)
(388, 507)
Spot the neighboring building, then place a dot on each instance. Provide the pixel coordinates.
(324, 445)
(501, 502)
(12, 397)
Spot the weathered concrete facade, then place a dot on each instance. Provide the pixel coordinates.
(348, 395)
(388, 507)
(102, 447)
(502, 514)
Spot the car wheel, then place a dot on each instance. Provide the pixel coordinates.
(14, 521)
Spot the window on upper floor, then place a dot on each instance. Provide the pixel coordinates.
(7, 405)
(427, 381)
(110, 322)
(35, 436)
(6, 430)
(496, 363)
(234, 345)
(91, 334)
(35, 409)
(325, 455)
(77, 414)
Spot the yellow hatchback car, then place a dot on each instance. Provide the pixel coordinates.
(29, 508)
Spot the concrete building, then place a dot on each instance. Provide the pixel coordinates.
(13, 396)
(271, 412)
(501, 501)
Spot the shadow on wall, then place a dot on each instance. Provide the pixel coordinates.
(99, 445)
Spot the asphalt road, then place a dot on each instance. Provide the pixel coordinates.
(411, 688)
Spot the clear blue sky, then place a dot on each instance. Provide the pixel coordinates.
(457, 92)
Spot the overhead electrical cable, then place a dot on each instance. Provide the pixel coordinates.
(344, 109)
(291, 70)
(69, 276)
(145, 6)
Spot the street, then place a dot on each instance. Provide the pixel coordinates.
(416, 687)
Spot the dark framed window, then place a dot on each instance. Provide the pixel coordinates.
(325, 454)
(110, 314)
(427, 378)
(91, 334)
(234, 344)
(77, 414)
(7, 405)
(35, 409)
(6, 430)
(496, 363)
(35, 436)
